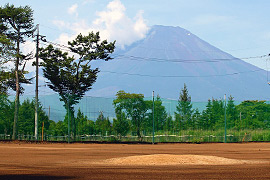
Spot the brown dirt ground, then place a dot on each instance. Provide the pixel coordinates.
(135, 161)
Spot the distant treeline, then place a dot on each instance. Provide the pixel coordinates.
(134, 115)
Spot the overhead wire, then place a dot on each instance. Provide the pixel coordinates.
(183, 76)
(186, 60)
(130, 57)
(137, 58)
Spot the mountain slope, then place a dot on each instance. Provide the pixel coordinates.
(167, 58)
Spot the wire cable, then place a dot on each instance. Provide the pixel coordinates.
(137, 58)
(184, 76)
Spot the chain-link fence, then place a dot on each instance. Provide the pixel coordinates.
(98, 119)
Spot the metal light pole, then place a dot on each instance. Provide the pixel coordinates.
(225, 132)
(153, 140)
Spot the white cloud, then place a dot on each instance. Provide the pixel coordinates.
(73, 9)
(140, 26)
(112, 23)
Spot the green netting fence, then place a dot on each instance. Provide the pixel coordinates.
(95, 120)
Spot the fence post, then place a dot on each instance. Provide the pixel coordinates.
(153, 141)
(225, 131)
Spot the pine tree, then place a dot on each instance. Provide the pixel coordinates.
(231, 113)
(71, 78)
(16, 24)
(184, 108)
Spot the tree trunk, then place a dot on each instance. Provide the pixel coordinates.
(17, 100)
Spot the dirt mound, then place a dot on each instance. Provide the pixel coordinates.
(169, 159)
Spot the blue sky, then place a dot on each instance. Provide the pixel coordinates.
(241, 28)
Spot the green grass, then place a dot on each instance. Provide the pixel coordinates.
(184, 136)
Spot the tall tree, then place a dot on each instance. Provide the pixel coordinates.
(254, 114)
(70, 77)
(4, 78)
(103, 125)
(121, 124)
(160, 115)
(217, 120)
(134, 106)
(168, 124)
(7, 52)
(6, 109)
(16, 24)
(196, 119)
(26, 121)
(184, 108)
(231, 113)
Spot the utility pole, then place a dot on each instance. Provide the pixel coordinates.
(36, 109)
(225, 131)
(153, 140)
(49, 114)
(68, 121)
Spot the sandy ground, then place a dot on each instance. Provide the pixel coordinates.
(123, 161)
(169, 159)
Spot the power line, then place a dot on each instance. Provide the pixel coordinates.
(181, 50)
(136, 58)
(173, 60)
(177, 60)
(186, 76)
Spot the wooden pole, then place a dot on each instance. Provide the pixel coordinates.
(42, 130)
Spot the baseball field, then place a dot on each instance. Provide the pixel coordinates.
(33, 161)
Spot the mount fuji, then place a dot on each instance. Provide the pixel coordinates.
(167, 58)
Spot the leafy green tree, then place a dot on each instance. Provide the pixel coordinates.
(84, 125)
(103, 125)
(218, 110)
(6, 53)
(6, 47)
(89, 127)
(57, 129)
(254, 114)
(184, 109)
(213, 116)
(196, 119)
(168, 126)
(121, 124)
(16, 24)
(4, 78)
(6, 109)
(134, 106)
(71, 78)
(26, 122)
(160, 115)
(207, 116)
(81, 121)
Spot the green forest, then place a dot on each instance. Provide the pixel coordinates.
(134, 117)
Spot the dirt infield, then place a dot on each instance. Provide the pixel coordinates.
(123, 161)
